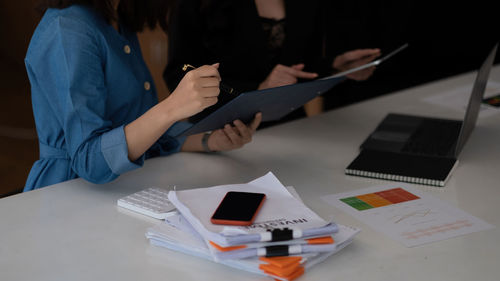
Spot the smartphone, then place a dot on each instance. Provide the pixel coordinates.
(238, 208)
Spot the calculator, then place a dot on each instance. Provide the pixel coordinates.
(151, 202)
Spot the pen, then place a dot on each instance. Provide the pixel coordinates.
(222, 86)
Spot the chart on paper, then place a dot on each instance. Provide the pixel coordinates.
(406, 214)
(379, 199)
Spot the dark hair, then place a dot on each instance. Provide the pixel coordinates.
(134, 14)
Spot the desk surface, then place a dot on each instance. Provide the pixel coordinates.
(75, 231)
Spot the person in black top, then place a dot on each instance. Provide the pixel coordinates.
(259, 44)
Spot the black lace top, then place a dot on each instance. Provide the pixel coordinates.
(274, 31)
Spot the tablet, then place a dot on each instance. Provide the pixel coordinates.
(370, 64)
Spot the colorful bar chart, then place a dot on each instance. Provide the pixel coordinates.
(406, 214)
(379, 199)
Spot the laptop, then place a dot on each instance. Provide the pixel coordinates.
(420, 149)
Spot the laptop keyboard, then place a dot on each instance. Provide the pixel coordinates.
(433, 137)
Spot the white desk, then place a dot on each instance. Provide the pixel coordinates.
(75, 231)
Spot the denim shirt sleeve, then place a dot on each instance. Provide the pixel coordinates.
(168, 142)
(115, 151)
(98, 151)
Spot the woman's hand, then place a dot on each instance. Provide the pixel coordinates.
(285, 75)
(198, 90)
(354, 59)
(233, 137)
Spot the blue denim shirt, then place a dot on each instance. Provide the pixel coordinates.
(87, 82)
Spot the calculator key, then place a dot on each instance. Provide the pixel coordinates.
(152, 202)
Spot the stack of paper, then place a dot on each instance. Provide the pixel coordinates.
(286, 238)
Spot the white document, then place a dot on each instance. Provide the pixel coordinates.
(251, 249)
(458, 99)
(168, 236)
(280, 210)
(178, 235)
(369, 64)
(406, 214)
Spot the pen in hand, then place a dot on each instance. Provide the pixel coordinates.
(223, 87)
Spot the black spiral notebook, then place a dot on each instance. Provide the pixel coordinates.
(387, 165)
(420, 149)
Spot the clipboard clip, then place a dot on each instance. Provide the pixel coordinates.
(281, 234)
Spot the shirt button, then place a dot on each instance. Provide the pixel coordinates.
(147, 86)
(126, 49)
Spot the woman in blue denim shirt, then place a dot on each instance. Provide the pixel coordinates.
(94, 100)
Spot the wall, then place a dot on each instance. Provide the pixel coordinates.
(17, 22)
(18, 144)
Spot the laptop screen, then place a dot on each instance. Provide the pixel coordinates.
(476, 98)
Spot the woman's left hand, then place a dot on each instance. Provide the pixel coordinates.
(233, 137)
(352, 59)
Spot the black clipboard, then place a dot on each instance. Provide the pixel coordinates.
(274, 103)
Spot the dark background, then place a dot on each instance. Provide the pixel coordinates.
(445, 39)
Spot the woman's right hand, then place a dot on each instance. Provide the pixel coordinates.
(197, 90)
(282, 75)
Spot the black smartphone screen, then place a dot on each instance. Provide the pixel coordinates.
(238, 206)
